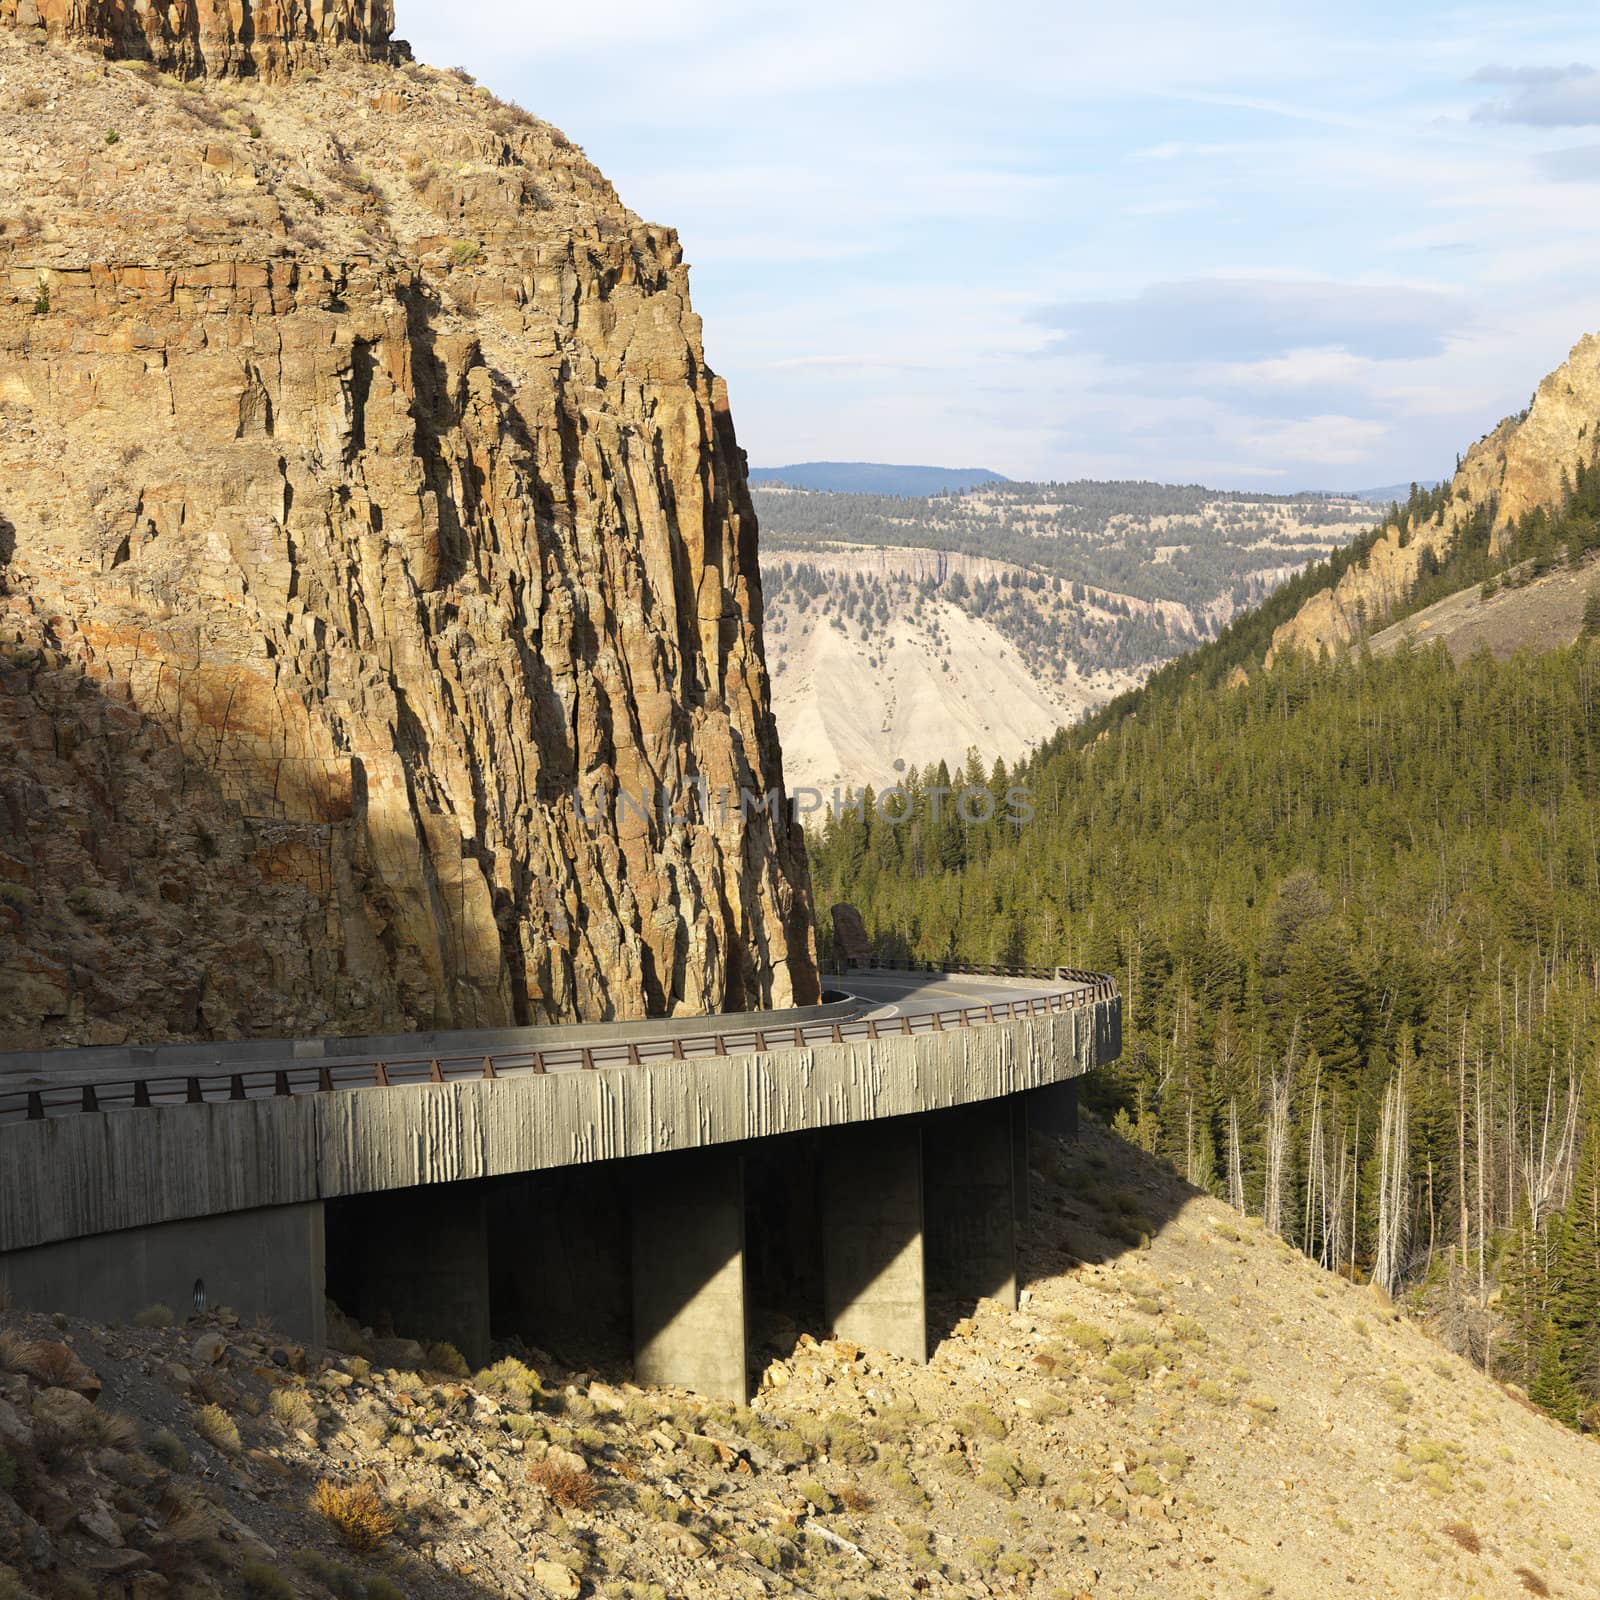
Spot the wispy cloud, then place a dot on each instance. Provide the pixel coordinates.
(1578, 165)
(1254, 319)
(1543, 97)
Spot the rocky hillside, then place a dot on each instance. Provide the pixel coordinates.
(913, 630)
(365, 498)
(1182, 1407)
(1520, 612)
(1527, 464)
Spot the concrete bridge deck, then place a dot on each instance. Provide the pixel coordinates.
(464, 1196)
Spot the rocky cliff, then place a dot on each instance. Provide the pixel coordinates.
(1521, 465)
(373, 542)
(199, 38)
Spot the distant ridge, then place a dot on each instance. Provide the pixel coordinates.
(875, 477)
(1391, 493)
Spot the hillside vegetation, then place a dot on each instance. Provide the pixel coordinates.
(1354, 905)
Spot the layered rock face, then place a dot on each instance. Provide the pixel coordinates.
(200, 38)
(374, 554)
(1515, 469)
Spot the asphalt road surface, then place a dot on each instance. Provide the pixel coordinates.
(880, 996)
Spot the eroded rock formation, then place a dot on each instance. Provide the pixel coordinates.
(365, 500)
(202, 38)
(1513, 470)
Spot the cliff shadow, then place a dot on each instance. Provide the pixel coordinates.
(138, 843)
(1093, 1198)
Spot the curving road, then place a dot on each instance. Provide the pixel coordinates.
(863, 1004)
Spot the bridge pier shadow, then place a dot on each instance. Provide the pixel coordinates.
(697, 1268)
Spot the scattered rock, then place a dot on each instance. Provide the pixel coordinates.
(557, 1580)
(209, 1349)
(680, 1541)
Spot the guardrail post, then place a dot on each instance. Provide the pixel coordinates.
(35, 1106)
(141, 1095)
(192, 1092)
(488, 1067)
(380, 1074)
(633, 1054)
(435, 1072)
(324, 1081)
(91, 1101)
(588, 1059)
(677, 1049)
(280, 1083)
(236, 1087)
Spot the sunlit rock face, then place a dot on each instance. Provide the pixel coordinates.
(373, 541)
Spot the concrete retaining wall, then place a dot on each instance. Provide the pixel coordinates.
(261, 1263)
(99, 1172)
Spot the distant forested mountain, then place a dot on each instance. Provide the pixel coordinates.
(875, 477)
(900, 628)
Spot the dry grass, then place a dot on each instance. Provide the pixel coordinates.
(51, 1363)
(13, 1350)
(214, 1425)
(565, 1486)
(1531, 1581)
(292, 1410)
(1464, 1535)
(357, 1513)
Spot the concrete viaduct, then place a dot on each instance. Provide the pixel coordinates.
(647, 1190)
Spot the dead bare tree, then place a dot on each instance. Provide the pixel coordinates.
(1394, 1188)
(1235, 1159)
(1279, 1087)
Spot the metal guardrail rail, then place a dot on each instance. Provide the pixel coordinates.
(1077, 990)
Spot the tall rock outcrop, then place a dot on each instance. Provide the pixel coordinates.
(375, 554)
(201, 38)
(1518, 467)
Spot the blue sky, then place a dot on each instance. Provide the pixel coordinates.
(1263, 245)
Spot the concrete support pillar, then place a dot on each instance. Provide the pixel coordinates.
(969, 1177)
(263, 1263)
(418, 1259)
(1020, 1194)
(1054, 1109)
(872, 1260)
(559, 1275)
(689, 1272)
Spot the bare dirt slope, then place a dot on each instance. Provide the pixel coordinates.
(1182, 1407)
(914, 690)
(1537, 614)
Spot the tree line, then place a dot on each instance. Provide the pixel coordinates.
(1354, 908)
